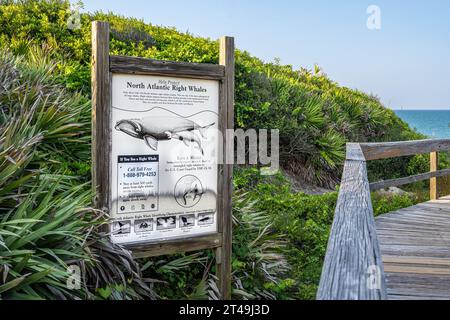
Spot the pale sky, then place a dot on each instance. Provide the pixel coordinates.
(406, 63)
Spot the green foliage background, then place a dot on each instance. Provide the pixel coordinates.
(315, 115)
(280, 235)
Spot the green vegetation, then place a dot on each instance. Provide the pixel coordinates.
(315, 115)
(305, 220)
(46, 224)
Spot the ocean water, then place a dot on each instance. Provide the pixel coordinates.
(433, 123)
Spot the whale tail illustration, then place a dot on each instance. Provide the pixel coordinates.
(203, 130)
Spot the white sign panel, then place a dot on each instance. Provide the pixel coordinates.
(163, 168)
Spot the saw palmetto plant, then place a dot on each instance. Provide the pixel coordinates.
(260, 265)
(46, 224)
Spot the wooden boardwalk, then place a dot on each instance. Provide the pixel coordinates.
(415, 248)
(412, 244)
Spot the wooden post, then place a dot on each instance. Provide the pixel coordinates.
(223, 253)
(101, 97)
(434, 192)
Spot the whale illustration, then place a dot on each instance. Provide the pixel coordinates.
(194, 191)
(166, 223)
(123, 227)
(154, 129)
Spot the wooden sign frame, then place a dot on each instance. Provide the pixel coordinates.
(103, 67)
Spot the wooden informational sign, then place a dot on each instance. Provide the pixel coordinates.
(157, 152)
(163, 156)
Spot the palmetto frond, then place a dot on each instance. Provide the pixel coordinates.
(45, 223)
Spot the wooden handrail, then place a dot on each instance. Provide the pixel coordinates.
(353, 251)
(353, 248)
(402, 181)
(385, 150)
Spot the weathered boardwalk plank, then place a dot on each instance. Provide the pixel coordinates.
(415, 247)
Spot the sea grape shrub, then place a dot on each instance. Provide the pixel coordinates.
(384, 204)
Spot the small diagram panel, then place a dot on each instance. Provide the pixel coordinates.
(187, 221)
(137, 183)
(166, 223)
(121, 227)
(142, 226)
(205, 219)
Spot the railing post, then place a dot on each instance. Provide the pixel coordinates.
(434, 195)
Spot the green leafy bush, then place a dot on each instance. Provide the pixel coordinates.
(385, 204)
(315, 115)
